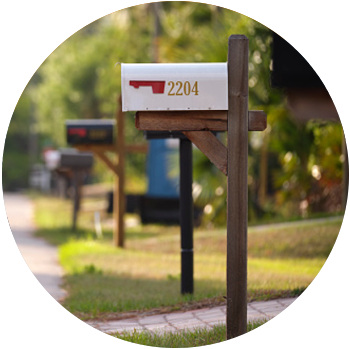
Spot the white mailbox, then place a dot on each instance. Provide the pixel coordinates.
(182, 86)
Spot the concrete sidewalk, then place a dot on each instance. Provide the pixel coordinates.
(199, 318)
(40, 256)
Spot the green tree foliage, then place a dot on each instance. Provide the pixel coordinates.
(290, 165)
(16, 161)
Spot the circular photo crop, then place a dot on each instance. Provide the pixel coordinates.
(175, 174)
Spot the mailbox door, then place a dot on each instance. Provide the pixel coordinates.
(183, 86)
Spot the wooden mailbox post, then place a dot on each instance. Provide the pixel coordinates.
(73, 164)
(197, 99)
(100, 138)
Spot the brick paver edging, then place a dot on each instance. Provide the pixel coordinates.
(200, 318)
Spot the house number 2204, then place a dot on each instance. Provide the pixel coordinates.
(180, 88)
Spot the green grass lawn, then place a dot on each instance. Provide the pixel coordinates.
(182, 339)
(102, 280)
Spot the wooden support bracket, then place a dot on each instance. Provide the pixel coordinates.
(130, 148)
(197, 126)
(207, 120)
(211, 146)
(257, 120)
(215, 120)
(137, 148)
(103, 157)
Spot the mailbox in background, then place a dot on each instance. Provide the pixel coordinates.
(68, 159)
(182, 86)
(72, 166)
(83, 132)
(75, 160)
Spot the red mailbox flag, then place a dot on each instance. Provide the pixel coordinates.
(157, 86)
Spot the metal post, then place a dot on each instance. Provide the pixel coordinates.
(186, 216)
(237, 186)
(77, 182)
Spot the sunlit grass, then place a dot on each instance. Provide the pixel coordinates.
(183, 339)
(146, 274)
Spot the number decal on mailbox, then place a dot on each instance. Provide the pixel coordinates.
(178, 93)
(97, 134)
(187, 88)
(183, 88)
(195, 88)
(172, 87)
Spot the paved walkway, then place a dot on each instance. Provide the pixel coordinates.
(199, 318)
(40, 256)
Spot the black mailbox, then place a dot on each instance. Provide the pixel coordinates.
(67, 158)
(75, 160)
(92, 131)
